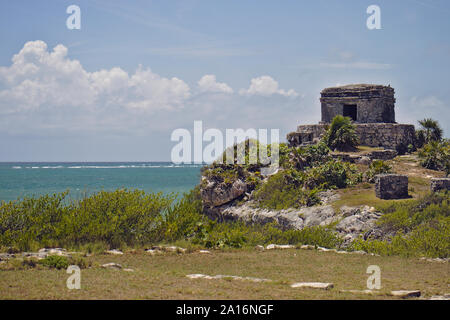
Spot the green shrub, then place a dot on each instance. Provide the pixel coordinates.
(285, 190)
(332, 174)
(116, 218)
(405, 216)
(436, 156)
(421, 227)
(32, 221)
(301, 158)
(377, 167)
(341, 134)
(238, 234)
(429, 240)
(58, 262)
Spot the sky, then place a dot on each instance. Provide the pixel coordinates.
(116, 89)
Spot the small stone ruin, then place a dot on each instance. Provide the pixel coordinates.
(371, 108)
(391, 186)
(438, 184)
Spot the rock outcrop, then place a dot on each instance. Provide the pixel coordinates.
(217, 196)
(351, 222)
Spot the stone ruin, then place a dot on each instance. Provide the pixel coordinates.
(438, 184)
(391, 186)
(371, 107)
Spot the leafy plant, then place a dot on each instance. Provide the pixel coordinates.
(435, 155)
(284, 190)
(421, 228)
(57, 262)
(341, 134)
(430, 131)
(332, 174)
(377, 167)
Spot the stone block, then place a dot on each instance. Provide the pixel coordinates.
(438, 184)
(391, 186)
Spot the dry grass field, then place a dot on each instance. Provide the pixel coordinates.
(164, 276)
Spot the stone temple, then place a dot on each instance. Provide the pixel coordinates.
(371, 107)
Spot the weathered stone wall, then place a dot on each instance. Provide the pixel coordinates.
(387, 135)
(374, 103)
(306, 134)
(391, 186)
(438, 184)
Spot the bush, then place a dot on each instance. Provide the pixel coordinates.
(436, 156)
(238, 234)
(421, 227)
(333, 174)
(116, 218)
(57, 262)
(429, 240)
(405, 216)
(377, 167)
(285, 190)
(301, 158)
(341, 135)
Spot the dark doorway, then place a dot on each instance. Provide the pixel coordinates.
(350, 111)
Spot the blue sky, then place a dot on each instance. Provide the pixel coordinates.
(116, 89)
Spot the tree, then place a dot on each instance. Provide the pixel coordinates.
(341, 135)
(430, 131)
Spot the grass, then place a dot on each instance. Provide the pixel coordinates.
(164, 276)
(409, 165)
(364, 193)
(360, 150)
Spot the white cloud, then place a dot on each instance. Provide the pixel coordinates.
(208, 83)
(266, 86)
(50, 98)
(42, 79)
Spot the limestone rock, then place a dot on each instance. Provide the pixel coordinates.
(318, 216)
(443, 297)
(53, 251)
(220, 276)
(114, 252)
(112, 265)
(161, 249)
(279, 246)
(314, 285)
(406, 293)
(216, 194)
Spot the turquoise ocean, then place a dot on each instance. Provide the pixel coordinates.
(25, 179)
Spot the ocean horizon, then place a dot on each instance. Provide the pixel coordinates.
(32, 179)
